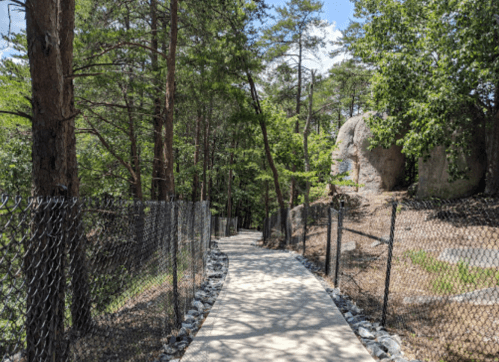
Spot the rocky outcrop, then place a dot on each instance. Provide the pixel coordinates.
(434, 175)
(377, 170)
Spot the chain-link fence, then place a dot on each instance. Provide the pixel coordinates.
(428, 271)
(278, 225)
(96, 280)
(223, 226)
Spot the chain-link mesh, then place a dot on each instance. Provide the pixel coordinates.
(438, 287)
(96, 280)
(223, 226)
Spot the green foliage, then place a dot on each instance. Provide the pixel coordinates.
(436, 67)
(15, 135)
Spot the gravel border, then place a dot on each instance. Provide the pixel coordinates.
(378, 342)
(217, 266)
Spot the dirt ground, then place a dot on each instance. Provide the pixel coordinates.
(423, 307)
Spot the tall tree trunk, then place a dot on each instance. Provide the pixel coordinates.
(298, 94)
(44, 258)
(270, 160)
(305, 156)
(136, 176)
(158, 183)
(170, 98)
(80, 304)
(293, 191)
(352, 104)
(212, 163)
(229, 189)
(195, 181)
(206, 152)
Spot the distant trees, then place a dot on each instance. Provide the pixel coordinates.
(290, 40)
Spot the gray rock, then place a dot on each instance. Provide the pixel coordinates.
(200, 295)
(183, 332)
(399, 359)
(364, 333)
(397, 338)
(170, 350)
(392, 346)
(193, 312)
(348, 315)
(215, 275)
(376, 350)
(364, 324)
(434, 176)
(378, 169)
(210, 301)
(375, 244)
(355, 310)
(187, 325)
(197, 304)
(381, 334)
(166, 357)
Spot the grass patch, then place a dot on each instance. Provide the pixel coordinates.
(449, 278)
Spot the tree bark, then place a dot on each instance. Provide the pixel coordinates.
(229, 189)
(80, 304)
(136, 176)
(212, 163)
(195, 181)
(292, 191)
(263, 126)
(44, 258)
(206, 151)
(170, 98)
(307, 161)
(158, 183)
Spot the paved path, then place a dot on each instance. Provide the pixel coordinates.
(272, 309)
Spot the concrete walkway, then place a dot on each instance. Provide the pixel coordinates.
(272, 309)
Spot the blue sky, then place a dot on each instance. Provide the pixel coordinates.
(338, 14)
(16, 24)
(335, 12)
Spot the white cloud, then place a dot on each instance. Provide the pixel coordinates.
(321, 61)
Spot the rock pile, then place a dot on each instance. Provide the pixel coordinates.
(204, 298)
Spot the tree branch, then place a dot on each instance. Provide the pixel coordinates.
(18, 113)
(108, 147)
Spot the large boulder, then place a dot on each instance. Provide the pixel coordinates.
(377, 170)
(434, 175)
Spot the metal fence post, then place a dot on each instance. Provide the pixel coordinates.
(328, 245)
(338, 244)
(389, 264)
